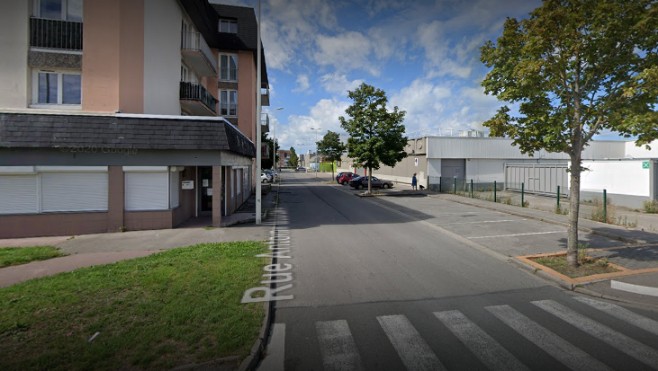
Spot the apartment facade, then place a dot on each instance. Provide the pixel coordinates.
(111, 115)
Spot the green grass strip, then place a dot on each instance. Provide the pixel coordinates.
(22, 255)
(173, 308)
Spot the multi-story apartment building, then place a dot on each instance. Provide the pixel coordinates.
(124, 115)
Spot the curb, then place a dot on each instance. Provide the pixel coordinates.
(542, 274)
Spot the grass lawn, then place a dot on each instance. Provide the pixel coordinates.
(21, 255)
(173, 308)
(588, 265)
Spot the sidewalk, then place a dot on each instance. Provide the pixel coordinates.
(106, 248)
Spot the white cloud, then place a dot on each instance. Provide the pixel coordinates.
(302, 83)
(302, 131)
(345, 52)
(338, 83)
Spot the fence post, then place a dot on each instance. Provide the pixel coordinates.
(471, 188)
(454, 185)
(558, 197)
(440, 189)
(495, 191)
(522, 194)
(605, 206)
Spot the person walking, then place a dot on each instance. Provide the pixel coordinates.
(414, 182)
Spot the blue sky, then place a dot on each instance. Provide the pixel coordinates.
(424, 54)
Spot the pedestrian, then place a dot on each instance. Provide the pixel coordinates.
(414, 182)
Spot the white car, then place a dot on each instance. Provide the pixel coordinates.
(265, 178)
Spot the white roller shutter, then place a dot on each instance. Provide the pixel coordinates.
(174, 186)
(74, 191)
(146, 190)
(18, 194)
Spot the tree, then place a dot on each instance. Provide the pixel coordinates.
(266, 161)
(331, 148)
(376, 135)
(575, 68)
(294, 160)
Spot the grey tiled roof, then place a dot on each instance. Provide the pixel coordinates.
(21, 130)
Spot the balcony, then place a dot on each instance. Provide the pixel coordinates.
(196, 100)
(55, 34)
(265, 97)
(197, 54)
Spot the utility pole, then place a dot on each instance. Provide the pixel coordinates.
(258, 124)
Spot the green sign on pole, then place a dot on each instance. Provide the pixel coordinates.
(645, 164)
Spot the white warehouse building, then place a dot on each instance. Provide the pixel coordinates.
(627, 172)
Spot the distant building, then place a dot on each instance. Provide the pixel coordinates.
(133, 123)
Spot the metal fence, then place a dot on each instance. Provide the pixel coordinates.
(55, 34)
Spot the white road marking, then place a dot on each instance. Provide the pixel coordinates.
(622, 313)
(276, 350)
(558, 348)
(412, 349)
(337, 346)
(618, 340)
(515, 235)
(636, 289)
(488, 350)
(487, 221)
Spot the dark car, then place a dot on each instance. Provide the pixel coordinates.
(346, 177)
(362, 182)
(301, 169)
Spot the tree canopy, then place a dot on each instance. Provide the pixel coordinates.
(331, 148)
(573, 69)
(294, 159)
(376, 135)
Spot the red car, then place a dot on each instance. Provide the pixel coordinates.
(346, 177)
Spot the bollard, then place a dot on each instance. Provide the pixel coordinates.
(558, 197)
(471, 188)
(605, 206)
(494, 191)
(522, 194)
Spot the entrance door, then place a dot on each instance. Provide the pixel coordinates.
(205, 190)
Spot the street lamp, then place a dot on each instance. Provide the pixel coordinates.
(274, 143)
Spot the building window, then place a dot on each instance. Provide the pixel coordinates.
(228, 102)
(228, 67)
(228, 25)
(67, 10)
(52, 87)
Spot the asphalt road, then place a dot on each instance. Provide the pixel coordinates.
(420, 284)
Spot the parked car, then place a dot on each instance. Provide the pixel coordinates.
(265, 178)
(339, 175)
(362, 182)
(272, 174)
(346, 177)
(301, 169)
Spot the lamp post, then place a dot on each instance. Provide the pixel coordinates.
(274, 143)
(258, 123)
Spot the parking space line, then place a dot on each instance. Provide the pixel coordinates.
(487, 221)
(514, 235)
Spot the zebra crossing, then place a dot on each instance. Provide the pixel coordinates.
(340, 349)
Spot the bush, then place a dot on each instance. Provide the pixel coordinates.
(651, 206)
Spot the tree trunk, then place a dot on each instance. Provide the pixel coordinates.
(369, 180)
(574, 209)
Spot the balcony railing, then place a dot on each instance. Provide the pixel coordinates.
(55, 34)
(197, 93)
(197, 54)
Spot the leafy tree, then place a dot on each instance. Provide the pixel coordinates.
(376, 135)
(575, 68)
(267, 163)
(331, 148)
(293, 160)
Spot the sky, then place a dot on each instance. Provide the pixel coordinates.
(424, 54)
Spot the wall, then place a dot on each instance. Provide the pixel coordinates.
(55, 224)
(247, 94)
(623, 177)
(485, 170)
(14, 38)
(162, 57)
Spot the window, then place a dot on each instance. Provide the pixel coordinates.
(51, 87)
(228, 102)
(67, 10)
(228, 25)
(187, 76)
(228, 67)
